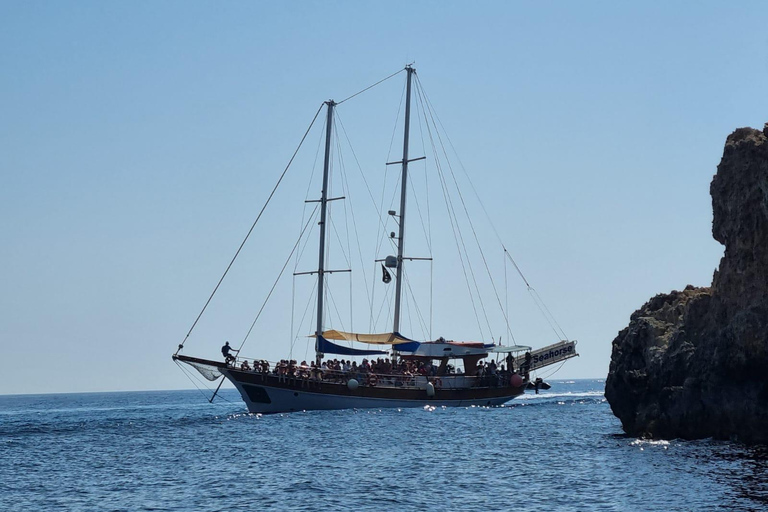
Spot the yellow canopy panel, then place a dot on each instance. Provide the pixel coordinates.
(387, 338)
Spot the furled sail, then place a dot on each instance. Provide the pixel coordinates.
(387, 338)
(328, 347)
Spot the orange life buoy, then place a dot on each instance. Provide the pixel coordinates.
(372, 379)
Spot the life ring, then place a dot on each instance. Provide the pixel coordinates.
(372, 379)
(437, 383)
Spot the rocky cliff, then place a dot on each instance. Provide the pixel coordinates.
(694, 363)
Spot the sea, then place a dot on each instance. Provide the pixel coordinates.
(174, 451)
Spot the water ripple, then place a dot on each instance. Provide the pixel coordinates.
(559, 450)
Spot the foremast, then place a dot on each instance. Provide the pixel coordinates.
(323, 213)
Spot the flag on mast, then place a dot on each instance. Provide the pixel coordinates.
(386, 276)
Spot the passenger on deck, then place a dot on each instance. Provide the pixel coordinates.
(510, 362)
(225, 351)
(245, 366)
(528, 359)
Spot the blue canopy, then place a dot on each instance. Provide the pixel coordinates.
(328, 347)
(407, 347)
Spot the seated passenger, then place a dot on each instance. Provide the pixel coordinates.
(225, 351)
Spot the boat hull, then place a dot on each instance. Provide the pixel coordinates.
(271, 394)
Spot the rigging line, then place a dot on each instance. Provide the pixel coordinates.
(394, 126)
(419, 316)
(421, 217)
(458, 248)
(550, 314)
(431, 301)
(346, 203)
(371, 86)
(329, 192)
(429, 220)
(368, 189)
(386, 170)
(335, 307)
(542, 308)
(352, 210)
(426, 188)
(391, 207)
(347, 257)
(347, 206)
(216, 392)
(469, 220)
(314, 308)
(372, 299)
(406, 303)
(181, 345)
(309, 185)
(471, 224)
(506, 293)
(310, 301)
(458, 238)
(461, 164)
(559, 367)
(287, 261)
(300, 254)
(537, 299)
(362, 175)
(385, 235)
(189, 374)
(386, 300)
(527, 284)
(293, 312)
(482, 205)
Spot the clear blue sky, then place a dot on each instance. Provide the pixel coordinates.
(138, 140)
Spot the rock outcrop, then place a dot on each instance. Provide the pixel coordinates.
(694, 363)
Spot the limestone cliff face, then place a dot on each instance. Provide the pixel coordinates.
(694, 363)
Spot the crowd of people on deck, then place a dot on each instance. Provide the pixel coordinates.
(487, 373)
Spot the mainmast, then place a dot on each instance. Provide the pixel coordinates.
(403, 190)
(323, 212)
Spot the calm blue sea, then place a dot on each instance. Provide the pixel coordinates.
(172, 450)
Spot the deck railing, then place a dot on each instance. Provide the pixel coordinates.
(367, 378)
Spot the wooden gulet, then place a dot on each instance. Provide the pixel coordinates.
(268, 390)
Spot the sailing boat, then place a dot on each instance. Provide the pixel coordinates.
(414, 373)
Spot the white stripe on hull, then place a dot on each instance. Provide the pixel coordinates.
(289, 400)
